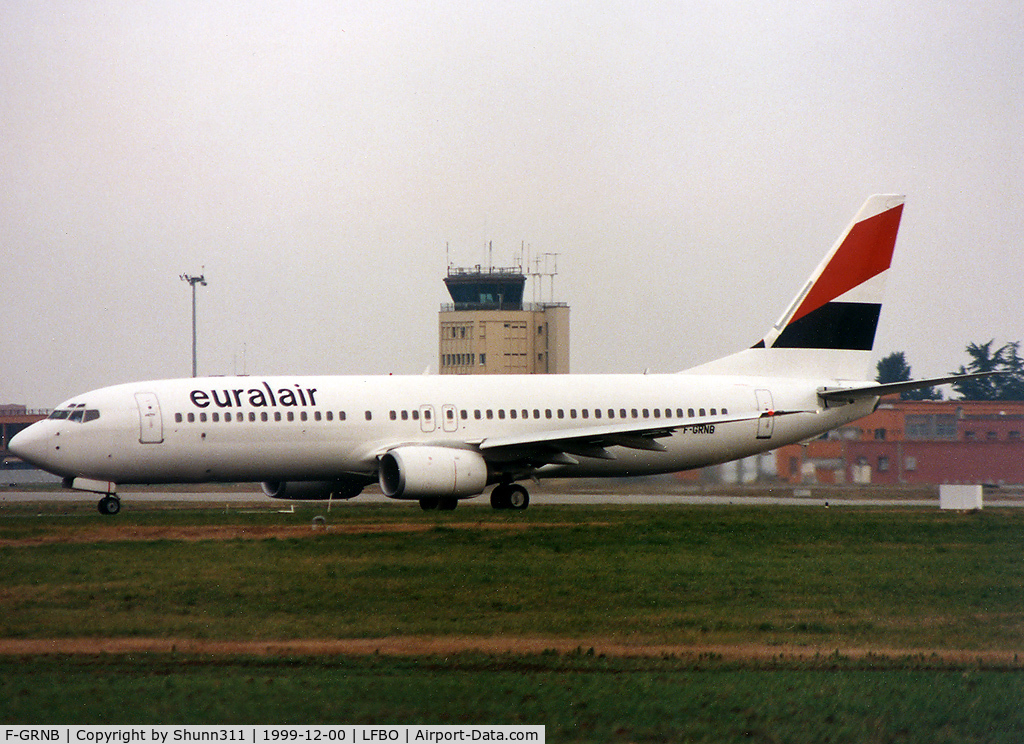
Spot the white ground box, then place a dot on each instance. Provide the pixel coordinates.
(960, 497)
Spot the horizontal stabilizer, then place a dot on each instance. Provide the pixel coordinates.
(891, 388)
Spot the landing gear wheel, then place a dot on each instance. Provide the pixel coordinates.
(447, 504)
(500, 497)
(109, 505)
(518, 498)
(508, 496)
(429, 504)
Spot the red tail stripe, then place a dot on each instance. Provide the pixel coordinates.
(866, 253)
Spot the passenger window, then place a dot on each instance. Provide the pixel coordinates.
(657, 413)
(490, 413)
(464, 414)
(690, 413)
(477, 415)
(636, 414)
(316, 416)
(263, 416)
(572, 413)
(547, 413)
(714, 412)
(512, 413)
(702, 412)
(536, 413)
(341, 416)
(501, 413)
(252, 415)
(647, 413)
(277, 415)
(202, 418)
(227, 418)
(191, 418)
(330, 415)
(426, 415)
(392, 415)
(303, 416)
(177, 418)
(561, 414)
(526, 414)
(585, 413)
(369, 415)
(622, 413)
(679, 413)
(725, 411)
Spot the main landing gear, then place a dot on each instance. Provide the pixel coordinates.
(109, 505)
(510, 496)
(504, 496)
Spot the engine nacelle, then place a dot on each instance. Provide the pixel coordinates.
(313, 490)
(417, 472)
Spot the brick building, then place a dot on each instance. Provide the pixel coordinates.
(915, 443)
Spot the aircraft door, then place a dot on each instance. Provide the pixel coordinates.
(765, 424)
(151, 423)
(427, 422)
(449, 418)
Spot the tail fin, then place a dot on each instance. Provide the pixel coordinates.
(829, 327)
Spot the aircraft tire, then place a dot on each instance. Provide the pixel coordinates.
(518, 498)
(429, 504)
(501, 497)
(109, 505)
(447, 504)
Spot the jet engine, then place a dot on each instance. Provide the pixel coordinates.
(313, 490)
(423, 472)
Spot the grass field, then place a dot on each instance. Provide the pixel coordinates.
(929, 593)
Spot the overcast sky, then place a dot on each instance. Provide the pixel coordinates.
(690, 162)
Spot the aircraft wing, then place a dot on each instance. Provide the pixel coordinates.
(558, 446)
(872, 391)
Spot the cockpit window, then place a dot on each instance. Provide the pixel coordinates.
(77, 413)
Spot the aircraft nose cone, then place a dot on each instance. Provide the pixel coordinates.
(30, 445)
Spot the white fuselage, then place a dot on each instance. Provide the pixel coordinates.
(310, 428)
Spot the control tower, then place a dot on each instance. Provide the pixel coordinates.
(488, 329)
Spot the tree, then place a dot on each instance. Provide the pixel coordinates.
(1006, 360)
(894, 368)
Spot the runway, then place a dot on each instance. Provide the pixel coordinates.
(538, 498)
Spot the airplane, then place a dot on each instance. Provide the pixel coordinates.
(441, 439)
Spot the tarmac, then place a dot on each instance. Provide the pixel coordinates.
(628, 495)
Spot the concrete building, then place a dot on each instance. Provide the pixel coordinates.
(488, 329)
(916, 442)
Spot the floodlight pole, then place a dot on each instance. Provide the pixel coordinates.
(194, 280)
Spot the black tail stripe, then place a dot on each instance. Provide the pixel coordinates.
(835, 325)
